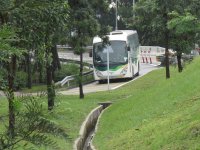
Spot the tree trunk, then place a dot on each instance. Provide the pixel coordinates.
(29, 77)
(80, 77)
(165, 15)
(50, 85)
(11, 68)
(11, 128)
(56, 61)
(180, 67)
(167, 58)
(40, 73)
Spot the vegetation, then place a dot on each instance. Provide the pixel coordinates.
(30, 31)
(163, 24)
(155, 114)
(145, 106)
(31, 127)
(183, 36)
(84, 26)
(8, 58)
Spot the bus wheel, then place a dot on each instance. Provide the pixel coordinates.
(138, 73)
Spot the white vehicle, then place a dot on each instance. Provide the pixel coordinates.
(123, 51)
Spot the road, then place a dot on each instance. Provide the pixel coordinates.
(70, 55)
(96, 87)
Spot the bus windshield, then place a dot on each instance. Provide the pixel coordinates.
(117, 53)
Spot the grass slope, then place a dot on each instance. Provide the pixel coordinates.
(155, 114)
(143, 115)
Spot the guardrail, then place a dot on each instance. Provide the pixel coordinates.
(67, 79)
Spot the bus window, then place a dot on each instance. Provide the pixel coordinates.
(117, 52)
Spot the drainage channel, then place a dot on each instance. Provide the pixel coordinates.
(83, 142)
(87, 145)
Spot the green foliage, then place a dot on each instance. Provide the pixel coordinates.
(183, 24)
(83, 24)
(146, 22)
(32, 126)
(66, 70)
(20, 80)
(150, 21)
(2, 78)
(183, 29)
(7, 39)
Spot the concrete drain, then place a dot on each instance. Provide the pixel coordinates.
(86, 133)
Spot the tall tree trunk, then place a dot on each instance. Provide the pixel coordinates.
(81, 95)
(11, 68)
(28, 65)
(56, 61)
(50, 85)
(167, 57)
(180, 67)
(165, 15)
(40, 72)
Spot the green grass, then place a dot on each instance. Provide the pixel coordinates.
(35, 89)
(158, 114)
(69, 113)
(150, 113)
(42, 87)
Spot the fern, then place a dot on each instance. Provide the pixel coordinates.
(32, 127)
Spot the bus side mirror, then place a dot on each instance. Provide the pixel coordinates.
(128, 48)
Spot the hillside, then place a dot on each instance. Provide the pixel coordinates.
(149, 113)
(154, 113)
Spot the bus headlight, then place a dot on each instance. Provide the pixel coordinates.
(99, 74)
(124, 71)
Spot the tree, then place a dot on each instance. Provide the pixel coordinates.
(184, 28)
(151, 19)
(15, 32)
(54, 18)
(38, 23)
(8, 57)
(193, 8)
(41, 23)
(154, 28)
(31, 126)
(84, 26)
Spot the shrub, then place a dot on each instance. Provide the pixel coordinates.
(20, 80)
(66, 70)
(3, 76)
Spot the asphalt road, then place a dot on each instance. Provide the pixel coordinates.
(96, 87)
(70, 55)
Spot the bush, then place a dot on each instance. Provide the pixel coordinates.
(20, 80)
(66, 70)
(3, 80)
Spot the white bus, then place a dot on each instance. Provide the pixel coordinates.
(123, 51)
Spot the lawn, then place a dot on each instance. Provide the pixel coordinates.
(69, 113)
(150, 113)
(156, 113)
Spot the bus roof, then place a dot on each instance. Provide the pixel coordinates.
(118, 35)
